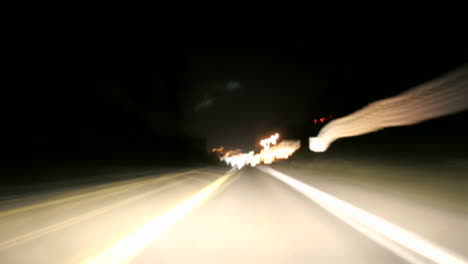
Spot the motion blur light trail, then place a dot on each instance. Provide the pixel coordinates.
(443, 96)
(270, 152)
(269, 141)
(281, 151)
(372, 225)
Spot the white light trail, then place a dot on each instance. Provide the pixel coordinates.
(440, 97)
(368, 223)
(269, 141)
(267, 155)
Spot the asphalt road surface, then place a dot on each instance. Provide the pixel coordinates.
(217, 215)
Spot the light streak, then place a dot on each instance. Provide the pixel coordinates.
(220, 149)
(269, 141)
(271, 152)
(440, 97)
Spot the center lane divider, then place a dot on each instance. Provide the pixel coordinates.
(130, 246)
(176, 179)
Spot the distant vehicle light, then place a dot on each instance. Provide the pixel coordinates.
(317, 144)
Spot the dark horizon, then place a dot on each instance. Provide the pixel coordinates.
(97, 92)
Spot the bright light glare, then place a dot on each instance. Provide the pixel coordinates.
(267, 155)
(317, 144)
(269, 141)
(129, 247)
(384, 228)
(440, 97)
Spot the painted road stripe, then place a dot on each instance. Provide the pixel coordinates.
(352, 215)
(129, 247)
(18, 240)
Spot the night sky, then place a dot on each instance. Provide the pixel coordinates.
(95, 90)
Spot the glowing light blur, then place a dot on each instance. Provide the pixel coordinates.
(270, 152)
(443, 96)
(317, 144)
(265, 143)
(220, 149)
(127, 248)
(374, 224)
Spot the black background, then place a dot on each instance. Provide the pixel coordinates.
(123, 89)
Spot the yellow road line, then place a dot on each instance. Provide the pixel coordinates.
(208, 173)
(129, 247)
(204, 181)
(116, 189)
(230, 181)
(74, 220)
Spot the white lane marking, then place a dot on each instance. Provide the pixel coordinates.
(371, 222)
(129, 247)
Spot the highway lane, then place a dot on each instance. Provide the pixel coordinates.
(258, 219)
(402, 201)
(217, 215)
(67, 227)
